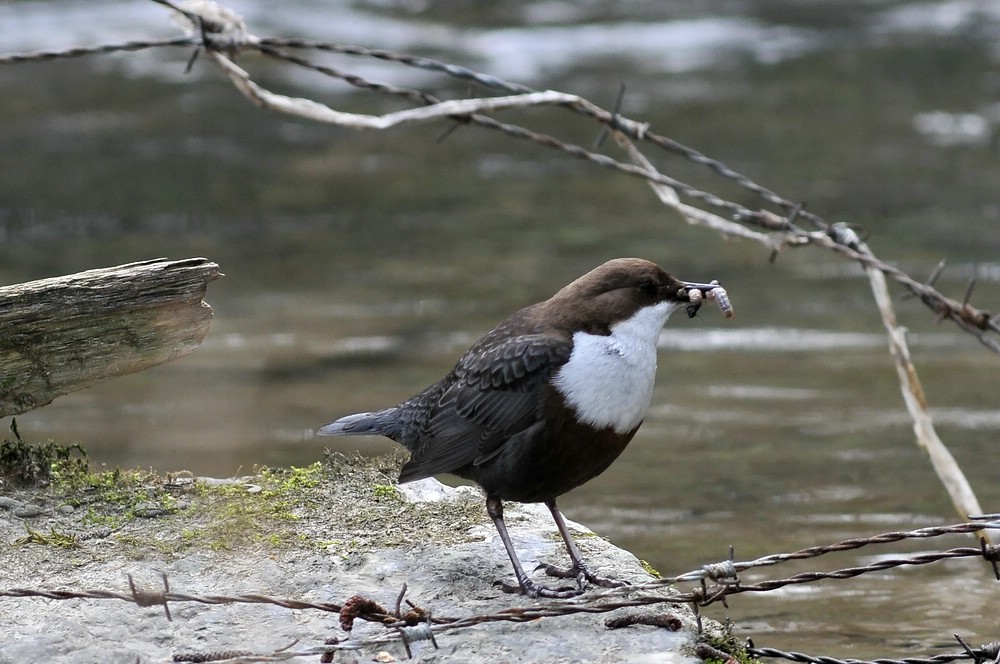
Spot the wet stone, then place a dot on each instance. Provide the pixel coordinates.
(28, 511)
(150, 510)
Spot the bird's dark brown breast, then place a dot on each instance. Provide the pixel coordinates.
(562, 455)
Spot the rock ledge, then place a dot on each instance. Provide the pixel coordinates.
(339, 529)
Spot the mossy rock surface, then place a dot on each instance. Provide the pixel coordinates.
(322, 534)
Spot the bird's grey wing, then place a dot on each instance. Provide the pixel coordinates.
(495, 395)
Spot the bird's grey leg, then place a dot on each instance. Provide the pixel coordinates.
(524, 585)
(578, 569)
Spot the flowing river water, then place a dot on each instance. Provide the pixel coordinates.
(360, 265)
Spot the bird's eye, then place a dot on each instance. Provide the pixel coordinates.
(648, 287)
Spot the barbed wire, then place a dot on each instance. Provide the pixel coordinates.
(269, 47)
(632, 128)
(496, 83)
(422, 624)
(988, 652)
(969, 319)
(854, 543)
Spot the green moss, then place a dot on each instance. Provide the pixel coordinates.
(287, 479)
(54, 538)
(577, 535)
(93, 518)
(341, 506)
(724, 640)
(652, 571)
(259, 511)
(387, 491)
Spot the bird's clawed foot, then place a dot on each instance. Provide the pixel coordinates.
(582, 574)
(579, 571)
(533, 590)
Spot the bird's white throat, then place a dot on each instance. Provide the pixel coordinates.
(608, 380)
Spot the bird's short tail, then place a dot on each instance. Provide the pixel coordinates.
(359, 424)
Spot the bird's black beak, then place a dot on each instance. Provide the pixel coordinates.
(702, 290)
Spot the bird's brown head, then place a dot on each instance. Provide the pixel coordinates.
(615, 291)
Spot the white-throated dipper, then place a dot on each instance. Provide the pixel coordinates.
(546, 400)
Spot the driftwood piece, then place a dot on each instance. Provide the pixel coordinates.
(61, 334)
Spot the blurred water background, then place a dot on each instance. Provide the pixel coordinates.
(360, 265)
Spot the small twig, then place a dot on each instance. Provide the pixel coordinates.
(705, 651)
(668, 196)
(947, 469)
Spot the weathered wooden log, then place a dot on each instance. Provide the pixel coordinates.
(65, 333)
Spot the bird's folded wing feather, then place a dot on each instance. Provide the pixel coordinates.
(496, 395)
